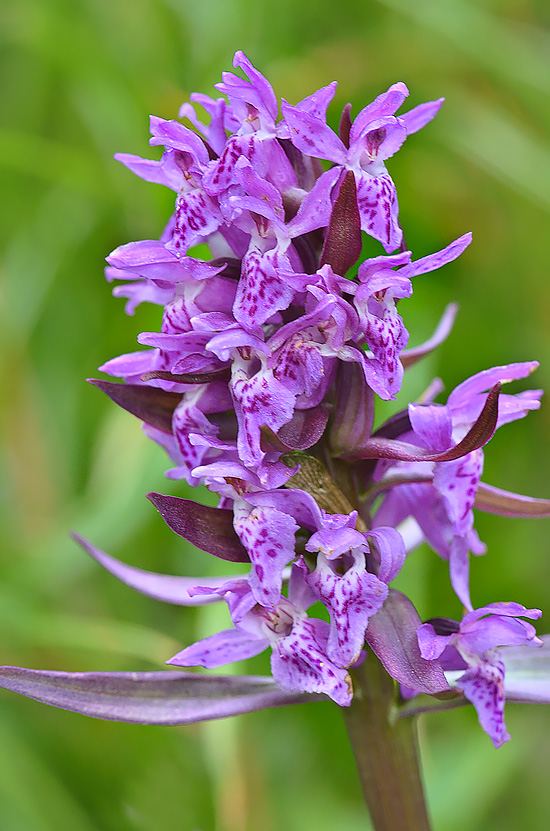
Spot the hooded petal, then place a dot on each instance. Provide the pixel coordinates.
(385, 104)
(483, 685)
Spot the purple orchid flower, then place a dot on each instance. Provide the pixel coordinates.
(299, 661)
(443, 505)
(375, 135)
(476, 640)
(253, 106)
(261, 385)
(376, 302)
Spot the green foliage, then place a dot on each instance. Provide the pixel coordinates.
(78, 80)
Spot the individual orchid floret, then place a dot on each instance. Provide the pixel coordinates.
(182, 168)
(376, 301)
(262, 291)
(340, 580)
(260, 399)
(299, 661)
(254, 107)
(443, 505)
(251, 99)
(475, 640)
(330, 328)
(351, 568)
(375, 135)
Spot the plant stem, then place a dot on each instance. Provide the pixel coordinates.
(385, 750)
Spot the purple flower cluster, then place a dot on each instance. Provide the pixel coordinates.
(261, 385)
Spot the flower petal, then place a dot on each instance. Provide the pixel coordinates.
(351, 599)
(268, 536)
(377, 201)
(312, 135)
(388, 547)
(220, 649)
(419, 116)
(483, 685)
(440, 258)
(299, 662)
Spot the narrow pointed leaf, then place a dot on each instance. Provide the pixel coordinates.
(478, 435)
(210, 529)
(165, 587)
(149, 697)
(222, 374)
(150, 404)
(343, 240)
(391, 634)
(345, 125)
(497, 501)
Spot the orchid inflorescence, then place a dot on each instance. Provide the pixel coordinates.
(261, 385)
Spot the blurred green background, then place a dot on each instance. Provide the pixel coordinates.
(78, 79)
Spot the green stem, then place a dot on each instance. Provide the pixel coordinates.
(385, 750)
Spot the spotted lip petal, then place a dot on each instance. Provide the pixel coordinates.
(299, 661)
(268, 536)
(377, 201)
(484, 687)
(351, 599)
